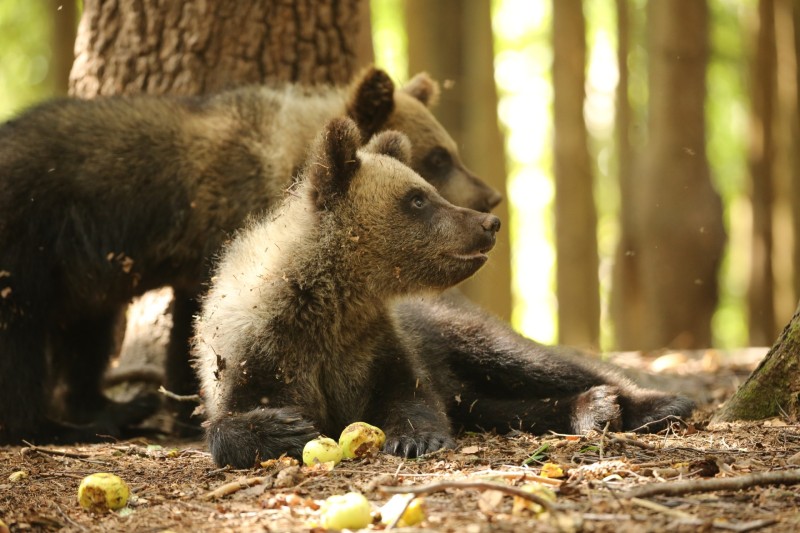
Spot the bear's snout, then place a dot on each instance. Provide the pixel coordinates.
(491, 223)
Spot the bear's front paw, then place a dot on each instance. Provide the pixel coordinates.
(595, 408)
(417, 444)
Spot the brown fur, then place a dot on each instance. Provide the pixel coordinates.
(296, 336)
(102, 200)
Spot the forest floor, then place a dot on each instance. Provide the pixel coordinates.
(713, 477)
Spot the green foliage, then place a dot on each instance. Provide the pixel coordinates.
(389, 37)
(25, 40)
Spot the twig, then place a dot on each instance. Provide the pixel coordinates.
(676, 488)
(620, 439)
(400, 514)
(62, 453)
(67, 518)
(672, 418)
(180, 397)
(480, 485)
(234, 486)
(216, 471)
(743, 527)
(663, 509)
(516, 475)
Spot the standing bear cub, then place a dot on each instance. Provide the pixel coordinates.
(296, 335)
(103, 200)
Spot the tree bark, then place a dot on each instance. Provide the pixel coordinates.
(678, 214)
(626, 300)
(452, 40)
(148, 46)
(761, 305)
(578, 286)
(795, 135)
(65, 25)
(773, 389)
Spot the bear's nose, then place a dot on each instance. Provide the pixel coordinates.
(491, 223)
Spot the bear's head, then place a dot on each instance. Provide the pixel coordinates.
(399, 235)
(376, 105)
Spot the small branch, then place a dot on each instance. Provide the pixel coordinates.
(67, 518)
(60, 453)
(178, 397)
(86, 458)
(479, 485)
(676, 488)
(234, 486)
(620, 439)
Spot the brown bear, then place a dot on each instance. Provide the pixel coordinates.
(105, 199)
(328, 312)
(296, 335)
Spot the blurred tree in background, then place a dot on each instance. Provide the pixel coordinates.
(737, 106)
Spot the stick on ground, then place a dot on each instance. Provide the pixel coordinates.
(676, 488)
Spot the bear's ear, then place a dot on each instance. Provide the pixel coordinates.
(423, 88)
(391, 143)
(371, 101)
(334, 161)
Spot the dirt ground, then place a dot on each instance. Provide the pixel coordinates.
(466, 490)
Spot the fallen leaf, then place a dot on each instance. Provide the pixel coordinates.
(471, 449)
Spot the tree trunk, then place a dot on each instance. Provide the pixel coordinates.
(187, 48)
(773, 389)
(760, 301)
(626, 300)
(452, 40)
(678, 214)
(578, 286)
(65, 24)
(795, 135)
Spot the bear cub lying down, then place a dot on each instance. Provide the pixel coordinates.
(304, 330)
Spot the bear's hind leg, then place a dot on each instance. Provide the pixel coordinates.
(82, 350)
(575, 414)
(180, 377)
(23, 374)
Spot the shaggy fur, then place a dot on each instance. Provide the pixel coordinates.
(296, 337)
(102, 200)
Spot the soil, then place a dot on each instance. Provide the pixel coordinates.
(171, 481)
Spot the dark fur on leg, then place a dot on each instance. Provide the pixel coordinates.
(493, 378)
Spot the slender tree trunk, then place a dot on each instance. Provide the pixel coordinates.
(773, 389)
(65, 25)
(452, 40)
(576, 218)
(626, 301)
(679, 231)
(149, 46)
(760, 296)
(785, 120)
(795, 190)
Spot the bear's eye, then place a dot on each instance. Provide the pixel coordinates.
(418, 201)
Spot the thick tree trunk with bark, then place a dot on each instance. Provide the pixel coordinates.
(773, 389)
(578, 286)
(452, 40)
(678, 215)
(149, 46)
